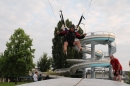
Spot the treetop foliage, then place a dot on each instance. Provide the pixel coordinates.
(18, 54)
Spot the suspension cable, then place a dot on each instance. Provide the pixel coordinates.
(59, 3)
(52, 10)
(83, 3)
(79, 81)
(88, 8)
(82, 17)
(84, 27)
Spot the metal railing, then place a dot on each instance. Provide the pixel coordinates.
(100, 33)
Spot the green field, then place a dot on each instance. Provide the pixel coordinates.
(10, 83)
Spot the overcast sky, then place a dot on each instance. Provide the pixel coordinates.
(38, 20)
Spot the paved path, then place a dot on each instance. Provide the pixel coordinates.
(75, 82)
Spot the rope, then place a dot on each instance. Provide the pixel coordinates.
(82, 17)
(58, 2)
(79, 82)
(85, 5)
(89, 7)
(87, 13)
(52, 10)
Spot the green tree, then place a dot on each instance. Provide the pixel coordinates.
(128, 78)
(59, 59)
(44, 63)
(18, 54)
(1, 65)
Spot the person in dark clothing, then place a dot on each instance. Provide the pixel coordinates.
(70, 36)
(47, 77)
(40, 77)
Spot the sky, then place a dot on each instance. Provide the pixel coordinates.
(38, 18)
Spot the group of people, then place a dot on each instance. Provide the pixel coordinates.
(69, 40)
(39, 78)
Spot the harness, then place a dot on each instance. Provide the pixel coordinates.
(70, 37)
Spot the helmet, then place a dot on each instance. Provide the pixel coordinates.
(72, 26)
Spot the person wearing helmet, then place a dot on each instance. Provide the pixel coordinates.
(69, 38)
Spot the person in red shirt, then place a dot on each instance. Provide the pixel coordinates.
(69, 38)
(117, 68)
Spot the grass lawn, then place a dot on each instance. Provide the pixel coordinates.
(11, 83)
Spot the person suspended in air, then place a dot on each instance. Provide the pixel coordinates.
(69, 38)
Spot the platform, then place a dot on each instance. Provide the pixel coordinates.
(76, 82)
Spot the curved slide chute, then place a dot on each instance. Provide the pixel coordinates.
(98, 63)
(99, 38)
